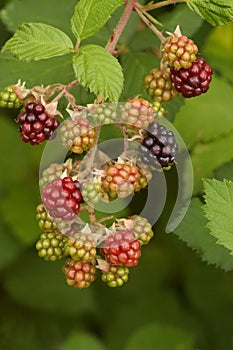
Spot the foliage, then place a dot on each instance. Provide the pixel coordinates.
(172, 298)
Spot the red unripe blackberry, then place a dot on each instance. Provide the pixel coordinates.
(62, 198)
(116, 276)
(159, 86)
(121, 180)
(54, 171)
(137, 113)
(36, 125)
(159, 147)
(81, 246)
(79, 274)
(78, 135)
(51, 246)
(193, 81)
(180, 52)
(122, 249)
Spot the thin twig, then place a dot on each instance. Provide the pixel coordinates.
(160, 4)
(150, 25)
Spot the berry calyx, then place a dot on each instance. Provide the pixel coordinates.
(159, 85)
(193, 81)
(159, 147)
(81, 246)
(137, 113)
(121, 249)
(9, 99)
(78, 135)
(116, 276)
(36, 125)
(79, 274)
(180, 52)
(62, 198)
(51, 246)
(122, 179)
(45, 222)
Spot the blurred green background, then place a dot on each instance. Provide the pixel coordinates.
(173, 300)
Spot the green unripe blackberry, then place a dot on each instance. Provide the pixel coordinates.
(92, 192)
(45, 222)
(79, 274)
(51, 246)
(158, 109)
(142, 229)
(116, 276)
(159, 85)
(54, 171)
(9, 99)
(81, 246)
(105, 113)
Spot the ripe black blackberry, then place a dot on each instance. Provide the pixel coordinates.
(159, 147)
(193, 81)
(36, 125)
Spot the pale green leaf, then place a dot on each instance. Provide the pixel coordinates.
(224, 172)
(219, 209)
(91, 15)
(100, 72)
(82, 341)
(162, 337)
(195, 234)
(216, 12)
(36, 41)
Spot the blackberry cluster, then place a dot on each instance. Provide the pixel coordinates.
(121, 249)
(137, 113)
(78, 135)
(193, 81)
(116, 276)
(81, 246)
(9, 99)
(92, 192)
(79, 274)
(159, 85)
(179, 52)
(105, 113)
(51, 246)
(159, 147)
(36, 125)
(121, 180)
(62, 198)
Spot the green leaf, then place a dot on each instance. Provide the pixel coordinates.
(41, 285)
(162, 337)
(96, 69)
(53, 12)
(216, 12)
(91, 15)
(195, 234)
(36, 41)
(218, 209)
(82, 341)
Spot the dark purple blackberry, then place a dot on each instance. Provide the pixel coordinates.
(36, 125)
(193, 81)
(158, 147)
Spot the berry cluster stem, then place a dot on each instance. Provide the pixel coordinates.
(129, 7)
(149, 23)
(160, 4)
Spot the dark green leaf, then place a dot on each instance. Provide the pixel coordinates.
(37, 41)
(194, 232)
(82, 341)
(96, 69)
(216, 12)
